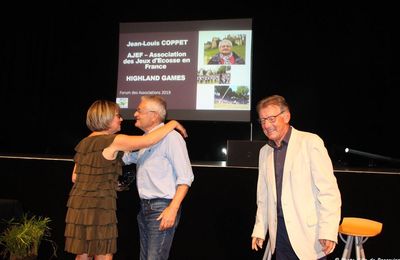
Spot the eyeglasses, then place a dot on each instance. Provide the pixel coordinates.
(138, 110)
(270, 119)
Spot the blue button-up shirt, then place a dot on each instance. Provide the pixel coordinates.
(161, 167)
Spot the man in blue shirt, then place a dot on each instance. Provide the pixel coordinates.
(164, 175)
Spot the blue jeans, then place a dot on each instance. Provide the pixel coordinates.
(154, 244)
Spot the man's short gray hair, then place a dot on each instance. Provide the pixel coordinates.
(157, 104)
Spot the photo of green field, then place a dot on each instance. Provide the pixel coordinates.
(231, 97)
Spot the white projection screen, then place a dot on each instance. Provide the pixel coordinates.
(179, 61)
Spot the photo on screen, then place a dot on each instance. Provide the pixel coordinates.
(225, 48)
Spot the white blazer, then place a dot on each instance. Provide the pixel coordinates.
(310, 196)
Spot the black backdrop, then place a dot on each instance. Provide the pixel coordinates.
(335, 64)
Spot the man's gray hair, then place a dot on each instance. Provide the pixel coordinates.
(157, 104)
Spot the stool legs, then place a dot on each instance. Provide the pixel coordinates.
(347, 248)
(360, 254)
(358, 245)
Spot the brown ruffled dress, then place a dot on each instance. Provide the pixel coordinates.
(91, 221)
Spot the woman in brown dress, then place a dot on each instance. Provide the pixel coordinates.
(91, 222)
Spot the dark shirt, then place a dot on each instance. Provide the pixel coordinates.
(279, 163)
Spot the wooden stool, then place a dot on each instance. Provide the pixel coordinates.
(358, 229)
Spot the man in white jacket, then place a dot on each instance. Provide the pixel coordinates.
(298, 198)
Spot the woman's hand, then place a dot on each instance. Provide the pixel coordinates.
(180, 129)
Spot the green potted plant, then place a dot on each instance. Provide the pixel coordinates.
(21, 238)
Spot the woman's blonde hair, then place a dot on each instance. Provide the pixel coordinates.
(100, 115)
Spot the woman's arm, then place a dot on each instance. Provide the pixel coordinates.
(132, 142)
(73, 178)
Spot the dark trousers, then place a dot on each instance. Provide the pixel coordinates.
(284, 250)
